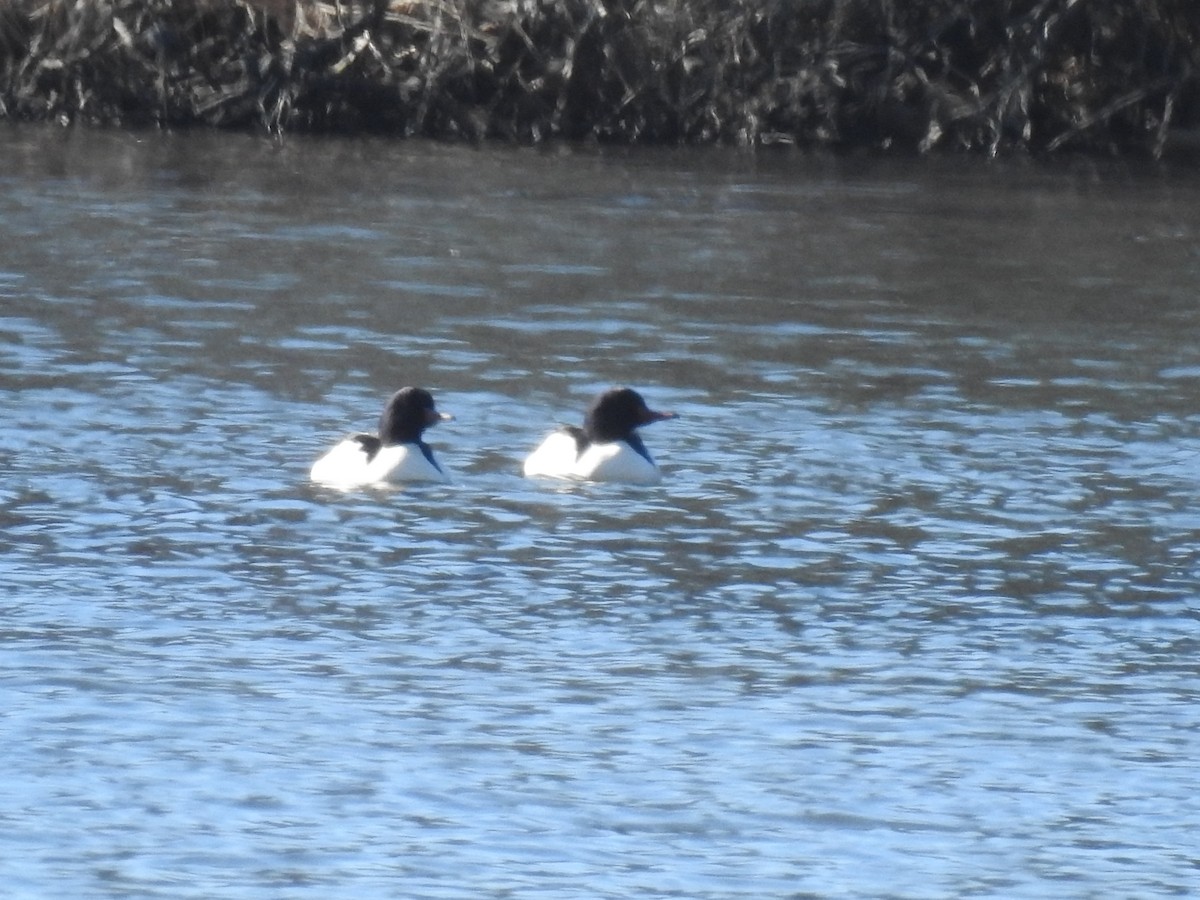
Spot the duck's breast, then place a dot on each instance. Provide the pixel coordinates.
(616, 461)
(406, 462)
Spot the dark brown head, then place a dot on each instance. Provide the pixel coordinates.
(408, 413)
(615, 414)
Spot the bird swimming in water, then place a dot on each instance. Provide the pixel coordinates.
(606, 448)
(396, 453)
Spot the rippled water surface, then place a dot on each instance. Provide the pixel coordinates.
(914, 612)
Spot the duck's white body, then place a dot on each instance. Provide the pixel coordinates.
(606, 448)
(558, 456)
(349, 465)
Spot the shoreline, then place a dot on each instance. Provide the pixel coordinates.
(1040, 77)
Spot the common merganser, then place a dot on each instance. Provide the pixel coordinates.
(396, 454)
(606, 448)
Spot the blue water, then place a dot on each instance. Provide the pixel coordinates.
(914, 612)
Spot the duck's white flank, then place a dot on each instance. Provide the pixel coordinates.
(347, 465)
(558, 456)
(555, 457)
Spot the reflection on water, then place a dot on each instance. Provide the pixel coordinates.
(912, 614)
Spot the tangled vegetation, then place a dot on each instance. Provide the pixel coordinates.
(992, 76)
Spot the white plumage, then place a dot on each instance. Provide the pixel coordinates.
(349, 465)
(558, 456)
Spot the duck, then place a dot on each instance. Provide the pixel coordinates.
(396, 453)
(606, 448)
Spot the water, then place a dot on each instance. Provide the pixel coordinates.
(913, 614)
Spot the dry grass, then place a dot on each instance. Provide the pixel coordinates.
(1044, 75)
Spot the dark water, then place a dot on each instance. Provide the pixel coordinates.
(914, 612)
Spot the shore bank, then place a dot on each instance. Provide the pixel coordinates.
(1025, 75)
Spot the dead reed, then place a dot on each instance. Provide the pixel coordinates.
(1044, 75)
